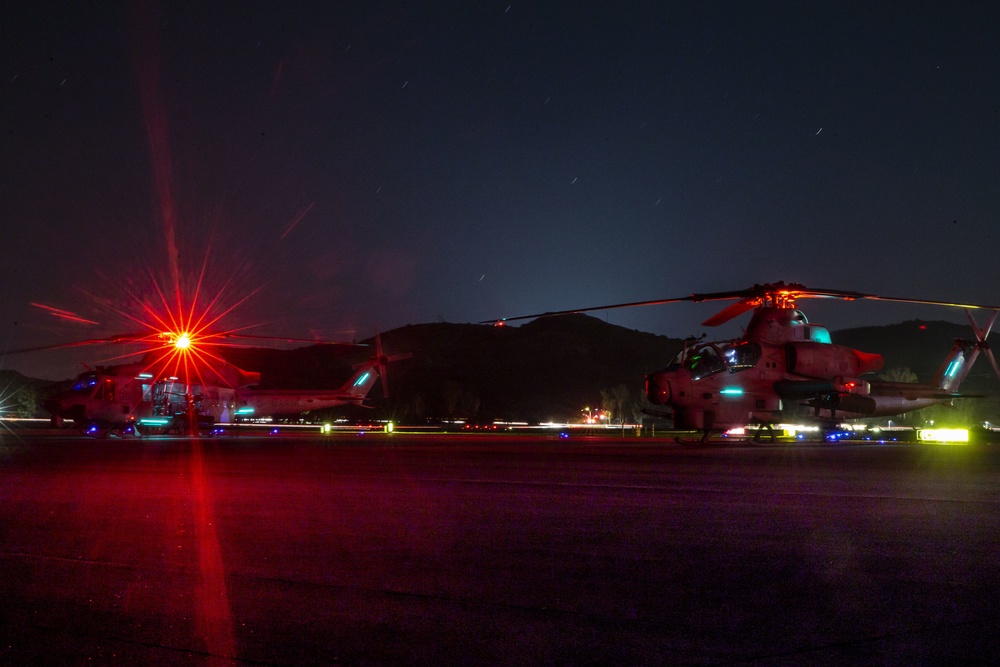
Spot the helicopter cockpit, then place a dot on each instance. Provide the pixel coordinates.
(711, 358)
(85, 383)
(92, 385)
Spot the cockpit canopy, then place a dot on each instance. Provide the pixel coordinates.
(85, 383)
(93, 385)
(711, 358)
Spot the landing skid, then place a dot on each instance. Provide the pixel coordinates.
(705, 438)
(765, 431)
(697, 438)
(103, 431)
(764, 434)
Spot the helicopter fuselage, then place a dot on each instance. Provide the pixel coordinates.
(791, 370)
(124, 396)
(730, 383)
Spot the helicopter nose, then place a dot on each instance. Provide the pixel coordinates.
(658, 388)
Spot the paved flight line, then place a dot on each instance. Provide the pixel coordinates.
(499, 550)
(631, 435)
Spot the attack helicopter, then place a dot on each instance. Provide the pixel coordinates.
(785, 365)
(184, 386)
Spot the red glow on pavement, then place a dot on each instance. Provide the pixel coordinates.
(213, 613)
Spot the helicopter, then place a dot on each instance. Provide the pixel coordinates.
(171, 393)
(784, 365)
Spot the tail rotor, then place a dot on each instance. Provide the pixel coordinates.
(380, 360)
(981, 334)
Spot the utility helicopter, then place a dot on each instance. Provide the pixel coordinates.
(173, 388)
(784, 364)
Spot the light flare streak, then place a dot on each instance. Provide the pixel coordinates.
(145, 51)
(7, 408)
(179, 341)
(297, 219)
(181, 337)
(63, 314)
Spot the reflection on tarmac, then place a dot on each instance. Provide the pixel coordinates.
(458, 549)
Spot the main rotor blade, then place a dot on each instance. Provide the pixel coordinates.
(729, 312)
(156, 337)
(124, 338)
(284, 339)
(752, 297)
(930, 302)
(755, 292)
(696, 298)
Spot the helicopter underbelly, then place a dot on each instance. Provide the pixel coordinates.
(717, 416)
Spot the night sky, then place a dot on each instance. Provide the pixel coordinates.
(343, 167)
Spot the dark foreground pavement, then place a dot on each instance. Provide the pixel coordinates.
(431, 550)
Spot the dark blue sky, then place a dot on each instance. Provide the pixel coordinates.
(369, 165)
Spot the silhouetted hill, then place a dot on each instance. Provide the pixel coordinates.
(10, 378)
(547, 369)
(550, 368)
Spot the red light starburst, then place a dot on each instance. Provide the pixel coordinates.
(183, 340)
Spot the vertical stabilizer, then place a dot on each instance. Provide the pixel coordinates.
(963, 354)
(362, 382)
(956, 366)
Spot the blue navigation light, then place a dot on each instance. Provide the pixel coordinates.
(732, 391)
(362, 379)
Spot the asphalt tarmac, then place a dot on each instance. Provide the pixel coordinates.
(433, 549)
